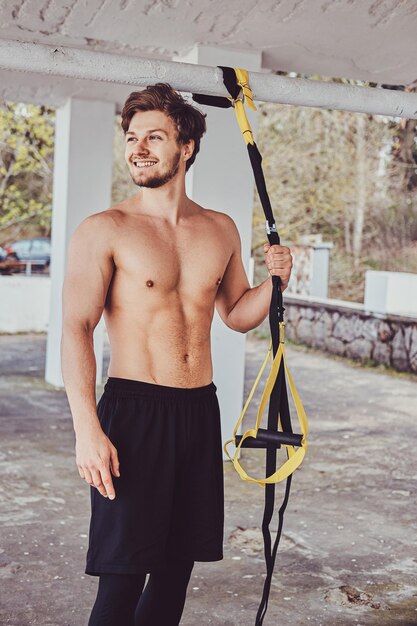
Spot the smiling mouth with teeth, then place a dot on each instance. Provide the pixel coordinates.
(142, 164)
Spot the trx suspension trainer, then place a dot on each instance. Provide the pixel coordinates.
(279, 431)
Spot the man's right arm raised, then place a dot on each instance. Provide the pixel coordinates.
(90, 268)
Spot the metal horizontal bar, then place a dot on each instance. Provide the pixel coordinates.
(138, 72)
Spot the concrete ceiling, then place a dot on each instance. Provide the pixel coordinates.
(373, 40)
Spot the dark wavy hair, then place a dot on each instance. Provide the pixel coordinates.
(189, 121)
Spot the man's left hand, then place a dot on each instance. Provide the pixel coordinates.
(278, 260)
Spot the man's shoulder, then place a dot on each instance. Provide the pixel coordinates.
(222, 219)
(98, 230)
(102, 220)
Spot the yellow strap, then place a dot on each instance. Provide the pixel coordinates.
(295, 457)
(255, 384)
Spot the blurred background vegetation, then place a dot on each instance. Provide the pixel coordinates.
(349, 177)
(26, 170)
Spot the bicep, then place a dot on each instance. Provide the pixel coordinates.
(89, 271)
(234, 282)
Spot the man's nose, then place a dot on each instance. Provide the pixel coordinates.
(141, 146)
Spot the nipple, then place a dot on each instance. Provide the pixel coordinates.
(149, 283)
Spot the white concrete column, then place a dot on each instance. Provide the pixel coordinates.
(82, 186)
(221, 179)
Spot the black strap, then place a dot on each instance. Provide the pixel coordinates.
(278, 405)
(273, 238)
(278, 402)
(229, 80)
(213, 101)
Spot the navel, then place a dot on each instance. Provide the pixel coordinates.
(149, 283)
(219, 280)
(186, 358)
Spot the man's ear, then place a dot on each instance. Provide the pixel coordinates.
(188, 149)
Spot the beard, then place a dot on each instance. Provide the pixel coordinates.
(152, 181)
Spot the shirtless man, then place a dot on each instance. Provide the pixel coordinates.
(155, 266)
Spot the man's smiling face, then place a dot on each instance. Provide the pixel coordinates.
(152, 153)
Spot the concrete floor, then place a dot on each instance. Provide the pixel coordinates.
(348, 554)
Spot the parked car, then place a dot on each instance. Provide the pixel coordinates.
(37, 251)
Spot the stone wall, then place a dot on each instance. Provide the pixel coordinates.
(346, 329)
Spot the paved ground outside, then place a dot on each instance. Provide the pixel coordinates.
(349, 551)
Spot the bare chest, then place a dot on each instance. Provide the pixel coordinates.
(188, 261)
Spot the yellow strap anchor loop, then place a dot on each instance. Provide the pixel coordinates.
(245, 96)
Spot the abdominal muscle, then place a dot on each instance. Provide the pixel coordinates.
(168, 346)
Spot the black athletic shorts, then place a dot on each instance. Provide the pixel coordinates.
(169, 497)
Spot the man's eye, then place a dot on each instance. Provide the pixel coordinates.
(154, 137)
(130, 139)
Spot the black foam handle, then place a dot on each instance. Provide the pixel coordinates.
(270, 439)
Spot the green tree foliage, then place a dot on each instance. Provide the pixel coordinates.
(26, 169)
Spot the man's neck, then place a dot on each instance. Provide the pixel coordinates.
(169, 202)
